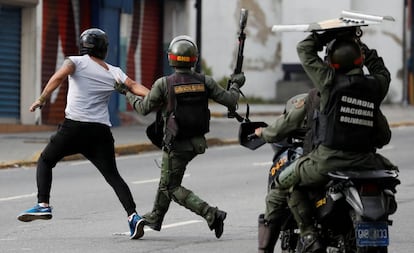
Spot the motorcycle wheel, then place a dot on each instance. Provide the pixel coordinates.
(288, 241)
(289, 236)
(352, 240)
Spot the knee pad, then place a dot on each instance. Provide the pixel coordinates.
(189, 200)
(288, 177)
(180, 194)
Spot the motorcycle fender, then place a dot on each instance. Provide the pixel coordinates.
(354, 200)
(372, 207)
(375, 207)
(281, 162)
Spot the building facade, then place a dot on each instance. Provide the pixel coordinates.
(36, 36)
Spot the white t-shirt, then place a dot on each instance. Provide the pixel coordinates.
(90, 88)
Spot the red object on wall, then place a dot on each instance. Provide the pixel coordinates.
(58, 24)
(133, 44)
(151, 48)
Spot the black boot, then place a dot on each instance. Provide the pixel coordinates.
(218, 223)
(302, 211)
(268, 234)
(309, 244)
(155, 218)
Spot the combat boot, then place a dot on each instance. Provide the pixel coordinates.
(309, 244)
(153, 220)
(218, 223)
(268, 233)
(302, 211)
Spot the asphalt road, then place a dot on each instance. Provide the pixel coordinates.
(89, 218)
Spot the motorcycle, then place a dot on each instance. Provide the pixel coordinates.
(351, 212)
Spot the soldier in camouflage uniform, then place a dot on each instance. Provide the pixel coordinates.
(183, 99)
(350, 124)
(295, 120)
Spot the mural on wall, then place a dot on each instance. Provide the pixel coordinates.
(259, 32)
(133, 41)
(58, 33)
(64, 20)
(144, 56)
(147, 23)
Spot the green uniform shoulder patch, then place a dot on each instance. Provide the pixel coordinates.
(296, 102)
(299, 103)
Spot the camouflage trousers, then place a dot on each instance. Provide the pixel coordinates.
(172, 172)
(276, 204)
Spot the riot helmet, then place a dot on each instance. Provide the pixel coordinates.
(182, 52)
(94, 42)
(344, 54)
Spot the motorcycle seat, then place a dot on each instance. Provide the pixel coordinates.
(363, 174)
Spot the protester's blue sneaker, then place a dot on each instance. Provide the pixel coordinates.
(136, 225)
(36, 213)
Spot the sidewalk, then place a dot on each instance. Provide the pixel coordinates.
(23, 148)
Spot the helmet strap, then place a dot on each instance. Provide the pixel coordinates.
(181, 58)
(335, 65)
(358, 61)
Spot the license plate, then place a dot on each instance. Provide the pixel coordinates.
(372, 234)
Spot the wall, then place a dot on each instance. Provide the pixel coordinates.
(30, 64)
(262, 63)
(266, 51)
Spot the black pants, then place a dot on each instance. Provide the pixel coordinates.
(96, 143)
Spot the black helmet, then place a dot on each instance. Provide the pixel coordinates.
(182, 52)
(94, 42)
(344, 54)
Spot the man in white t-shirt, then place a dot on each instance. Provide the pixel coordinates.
(86, 128)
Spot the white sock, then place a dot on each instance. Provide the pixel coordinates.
(130, 217)
(44, 204)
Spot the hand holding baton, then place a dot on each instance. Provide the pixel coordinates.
(239, 63)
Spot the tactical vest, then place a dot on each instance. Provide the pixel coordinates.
(348, 120)
(188, 102)
(311, 107)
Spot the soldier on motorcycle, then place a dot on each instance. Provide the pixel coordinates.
(349, 125)
(295, 120)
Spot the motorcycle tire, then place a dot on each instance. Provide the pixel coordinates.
(288, 239)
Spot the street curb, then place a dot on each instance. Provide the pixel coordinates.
(120, 150)
(130, 149)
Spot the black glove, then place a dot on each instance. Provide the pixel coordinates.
(347, 33)
(325, 37)
(121, 88)
(238, 78)
(337, 33)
